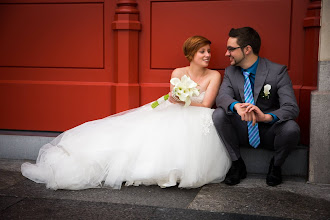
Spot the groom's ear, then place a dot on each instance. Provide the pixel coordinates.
(248, 50)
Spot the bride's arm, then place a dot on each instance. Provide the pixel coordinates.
(211, 90)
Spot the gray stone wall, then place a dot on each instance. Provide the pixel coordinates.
(319, 155)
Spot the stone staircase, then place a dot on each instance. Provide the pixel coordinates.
(26, 145)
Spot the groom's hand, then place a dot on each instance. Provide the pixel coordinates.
(245, 115)
(260, 116)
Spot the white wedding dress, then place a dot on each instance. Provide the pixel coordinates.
(164, 146)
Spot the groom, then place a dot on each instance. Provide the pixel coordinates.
(256, 106)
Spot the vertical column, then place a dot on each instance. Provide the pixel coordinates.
(126, 27)
(319, 163)
(311, 44)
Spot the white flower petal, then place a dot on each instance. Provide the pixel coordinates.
(175, 81)
(182, 97)
(267, 89)
(184, 79)
(196, 92)
(188, 102)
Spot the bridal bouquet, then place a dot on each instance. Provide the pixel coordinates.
(183, 89)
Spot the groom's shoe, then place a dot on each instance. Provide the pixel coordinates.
(236, 172)
(274, 176)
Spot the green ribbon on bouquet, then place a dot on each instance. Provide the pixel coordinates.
(159, 101)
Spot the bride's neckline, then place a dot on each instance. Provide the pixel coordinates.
(200, 77)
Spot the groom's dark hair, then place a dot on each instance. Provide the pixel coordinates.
(247, 36)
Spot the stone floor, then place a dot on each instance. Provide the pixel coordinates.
(21, 198)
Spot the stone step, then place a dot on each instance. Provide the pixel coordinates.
(257, 161)
(26, 145)
(23, 144)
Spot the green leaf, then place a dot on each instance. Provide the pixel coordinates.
(154, 104)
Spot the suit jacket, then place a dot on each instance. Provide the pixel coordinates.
(282, 101)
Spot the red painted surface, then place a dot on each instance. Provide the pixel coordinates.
(65, 63)
(52, 35)
(52, 106)
(208, 19)
(126, 28)
(56, 68)
(312, 30)
(170, 23)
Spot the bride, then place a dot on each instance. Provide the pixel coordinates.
(167, 145)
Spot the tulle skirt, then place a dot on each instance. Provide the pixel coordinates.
(166, 146)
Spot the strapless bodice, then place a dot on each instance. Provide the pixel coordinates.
(199, 98)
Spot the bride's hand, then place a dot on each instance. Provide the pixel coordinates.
(174, 99)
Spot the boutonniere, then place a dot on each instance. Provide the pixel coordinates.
(266, 94)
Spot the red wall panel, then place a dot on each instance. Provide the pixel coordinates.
(56, 63)
(52, 35)
(167, 24)
(53, 106)
(172, 23)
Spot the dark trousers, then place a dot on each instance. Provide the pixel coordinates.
(280, 137)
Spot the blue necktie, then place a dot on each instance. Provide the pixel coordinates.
(253, 131)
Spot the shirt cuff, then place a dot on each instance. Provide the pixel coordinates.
(275, 118)
(231, 107)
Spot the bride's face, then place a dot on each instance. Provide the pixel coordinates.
(202, 56)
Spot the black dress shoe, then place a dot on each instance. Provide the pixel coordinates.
(274, 176)
(236, 172)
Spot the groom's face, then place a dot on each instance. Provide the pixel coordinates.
(234, 52)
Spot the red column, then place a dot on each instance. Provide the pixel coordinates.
(126, 27)
(311, 52)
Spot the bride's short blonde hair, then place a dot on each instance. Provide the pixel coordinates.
(192, 45)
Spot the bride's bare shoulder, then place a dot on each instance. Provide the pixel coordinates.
(179, 72)
(214, 74)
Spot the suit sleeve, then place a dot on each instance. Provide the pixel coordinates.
(226, 94)
(288, 105)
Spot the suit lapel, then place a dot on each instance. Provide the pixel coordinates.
(240, 82)
(261, 75)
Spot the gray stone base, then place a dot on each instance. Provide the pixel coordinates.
(257, 161)
(324, 76)
(23, 145)
(319, 158)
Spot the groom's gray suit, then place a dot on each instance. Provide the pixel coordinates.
(281, 135)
